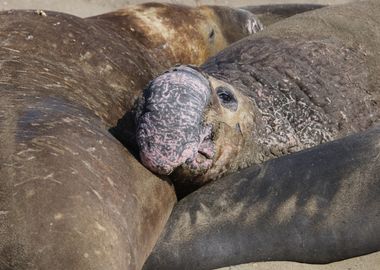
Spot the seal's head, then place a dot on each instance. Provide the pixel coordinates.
(194, 127)
(185, 34)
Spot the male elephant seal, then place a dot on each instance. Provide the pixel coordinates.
(317, 206)
(305, 81)
(71, 196)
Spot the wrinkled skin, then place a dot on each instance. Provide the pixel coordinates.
(181, 107)
(291, 87)
(181, 119)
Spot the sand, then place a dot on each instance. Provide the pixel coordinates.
(368, 262)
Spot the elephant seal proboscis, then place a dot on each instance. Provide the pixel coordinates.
(71, 196)
(319, 205)
(308, 80)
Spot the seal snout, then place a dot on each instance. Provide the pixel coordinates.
(171, 131)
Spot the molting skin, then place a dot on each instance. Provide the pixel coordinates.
(170, 130)
(193, 124)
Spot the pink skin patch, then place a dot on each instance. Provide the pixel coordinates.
(170, 130)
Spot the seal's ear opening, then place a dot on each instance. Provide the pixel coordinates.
(211, 35)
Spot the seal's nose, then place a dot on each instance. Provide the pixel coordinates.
(170, 124)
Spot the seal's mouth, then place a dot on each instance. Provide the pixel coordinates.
(195, 158)
(203, 159)
(171, 132)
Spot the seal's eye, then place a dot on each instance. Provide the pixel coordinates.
(225, 94)
(227, 98)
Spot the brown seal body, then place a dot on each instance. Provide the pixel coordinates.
(308, 80)
(71, 196)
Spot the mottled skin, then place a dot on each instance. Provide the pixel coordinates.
(71, 196)
(319, 205)
(310, 79)
(153, 106)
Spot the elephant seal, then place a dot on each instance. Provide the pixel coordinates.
(308, 80)
(71, 196)
(182, 33)
(319, 205)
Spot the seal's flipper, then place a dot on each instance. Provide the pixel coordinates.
(270, 14)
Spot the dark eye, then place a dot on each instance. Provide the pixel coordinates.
(212, 34)
(227, 98)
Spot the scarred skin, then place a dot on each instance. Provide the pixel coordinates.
(185, 109)
(71, 196)
(306, 81)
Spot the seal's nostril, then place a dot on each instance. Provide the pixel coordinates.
(238, 129)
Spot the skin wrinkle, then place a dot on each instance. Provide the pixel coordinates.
(166, 107)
